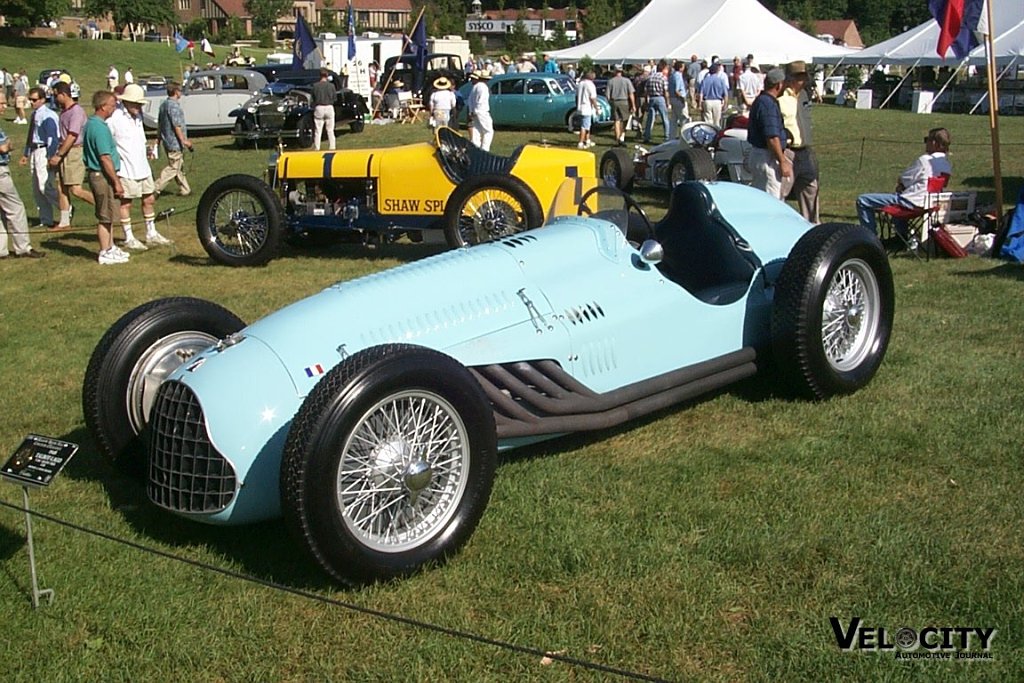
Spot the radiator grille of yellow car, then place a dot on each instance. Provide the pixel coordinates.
(186, 473)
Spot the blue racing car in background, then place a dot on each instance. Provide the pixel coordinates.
(370, 414)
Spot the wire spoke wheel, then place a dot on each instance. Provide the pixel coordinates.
(491, 214)
(239, 223)
(850, 316)
(402, 471)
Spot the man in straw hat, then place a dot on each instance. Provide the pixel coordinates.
(136, 176)
(795, 104)
(442, 103)
(481, 127)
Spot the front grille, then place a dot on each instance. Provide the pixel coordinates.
(186, 473)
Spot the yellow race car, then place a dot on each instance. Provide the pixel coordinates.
(380, 194)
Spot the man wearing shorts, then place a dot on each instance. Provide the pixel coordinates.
(136, 176)
(101, 163)
(622, 96)
(68, 158)
(586, 106)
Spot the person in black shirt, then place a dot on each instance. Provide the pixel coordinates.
(324, 95)
(767, 137)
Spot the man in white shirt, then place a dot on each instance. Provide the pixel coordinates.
(750, 87)
(912, 187)
(478, 103)
(112, 77)
(586, 106)
(136, 176)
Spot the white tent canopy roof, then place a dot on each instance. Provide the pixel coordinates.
(676, 29)
(917, 46)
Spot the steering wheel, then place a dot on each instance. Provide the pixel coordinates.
(629, 218)
(699, 133)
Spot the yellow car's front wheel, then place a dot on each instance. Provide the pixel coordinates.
(488, 207)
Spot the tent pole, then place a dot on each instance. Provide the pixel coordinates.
(948, 81)
(993, 112)
(897, 88)
(984, 96)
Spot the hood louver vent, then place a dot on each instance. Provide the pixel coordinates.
(585, 313)
(519, 241)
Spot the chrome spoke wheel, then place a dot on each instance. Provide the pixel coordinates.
(238, 223)
(490, 214)
(851, 314)
(403, 470)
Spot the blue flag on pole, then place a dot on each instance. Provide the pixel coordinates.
(351, 32)
(304, 48)
(418, 44)
(180, 42)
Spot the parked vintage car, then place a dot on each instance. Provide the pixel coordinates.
(208, 98)
(370, 415)
(283, 111)
(379, 194)
(536, 100)
(437, 64)
(703, 152)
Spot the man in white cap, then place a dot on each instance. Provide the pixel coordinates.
(481, 130)
(136, 176)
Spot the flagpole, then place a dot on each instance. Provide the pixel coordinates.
(405, 42)
(993, 112)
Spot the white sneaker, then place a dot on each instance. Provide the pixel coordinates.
(110, 257)
(591, 143)
(119, 251)
(134, 244)
(155, 239)
(582, 145)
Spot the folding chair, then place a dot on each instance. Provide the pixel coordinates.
(918, 220)
(410, 108)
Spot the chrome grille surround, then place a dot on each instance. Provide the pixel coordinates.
(186, 473)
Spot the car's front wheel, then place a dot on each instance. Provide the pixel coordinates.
(243, 125)
(305, 132)
(488, 207)
(130, 361)
(239, 221)
(389, 463)
(357, 126)
(617, 169)
(833, 311)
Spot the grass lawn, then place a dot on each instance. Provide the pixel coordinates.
(709, 542)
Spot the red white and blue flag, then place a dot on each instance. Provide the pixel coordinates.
(960, 24)
(314, 370)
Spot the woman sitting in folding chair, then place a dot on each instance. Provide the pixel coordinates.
(928, 174)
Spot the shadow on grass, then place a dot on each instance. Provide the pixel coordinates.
(1012, 271)
(403, 252)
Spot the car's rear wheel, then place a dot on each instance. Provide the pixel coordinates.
(833, 310)
(617, 169)
(691, 163)
(389, 463)
(130, 361)
(488, 207)
(239, 221)
(573, 121)
(305, 132)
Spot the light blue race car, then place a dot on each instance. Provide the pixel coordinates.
(370, 414)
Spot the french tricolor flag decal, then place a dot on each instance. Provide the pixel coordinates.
(314, 370)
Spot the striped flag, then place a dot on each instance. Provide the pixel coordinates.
(960, 24)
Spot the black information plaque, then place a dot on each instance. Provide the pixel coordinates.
(38, 460)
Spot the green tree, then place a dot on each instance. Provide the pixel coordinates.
(265, 13)
(328, 17)
(602, 16)
(125, 12)
(29, 13)
(519, 40)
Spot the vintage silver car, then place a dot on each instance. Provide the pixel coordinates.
(209, 97)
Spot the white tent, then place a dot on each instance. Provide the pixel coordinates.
(917, 46)
(676, 29)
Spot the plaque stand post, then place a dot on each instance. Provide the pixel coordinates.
(36, 593)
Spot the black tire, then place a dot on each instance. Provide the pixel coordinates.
(239, 221)
(837, 275)
(342, 459)
(487, 207)
(691, 163)
(243, 125)
(616, 169)
(357, 126)
(305, 132)
(131, 359)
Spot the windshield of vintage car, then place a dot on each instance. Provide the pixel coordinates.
(563, 84)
